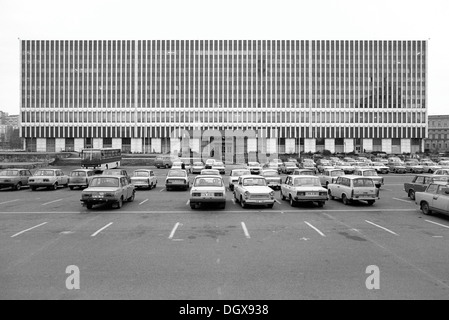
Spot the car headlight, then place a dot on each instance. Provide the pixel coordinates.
(246, 194)
(272, 194)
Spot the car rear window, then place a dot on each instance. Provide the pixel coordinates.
(254, 182)
(141, 174)
(208, 182)
(309, 181)
(44, 173)
(78, 174)
(176, 173)
(363, 183)
(104, 182)
(8, 173)
(240, 173)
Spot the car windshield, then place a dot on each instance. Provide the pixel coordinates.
(210, 172)
(44, 173)
(248, 182)
(253, 164)
(104, 182)
(112, 173)
(363, 183)
(270, 174)
(309, 181)
(176, 173)
(78, 174)
(337, 173)
(208, 182)
(444, 163)
(369, 173)
(177, 164)
(304, 173)
(380, 164)
(198, 164)
(141, 174)
(441, 179)
(240, 173)
(218, 164)
(9, 173)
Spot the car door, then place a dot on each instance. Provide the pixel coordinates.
(339, 187)
(285, 186)
(125, 187)
(440, 200)
(238, 188)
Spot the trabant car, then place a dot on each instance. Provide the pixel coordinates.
(413, 167)
(420, 183)
(429, 166)
(117, 172)
(434, 199)
(444, 164)
(112, 190)
(303, 172)
(298, 189)
(197, 167)
(288, 167)
(208, 190)
(254, 167)
(370, 173)
(397, 167)
(80, 178)
(442, 172)
(210, 172)
(209, 163)
(354, 188)
(346, 167)
(330, 176)
(14, 178)
(177, 179)
(234, 176)
(144, 178)
(218, 165)
(253, 190)
(273, 178)
(48, 178)
(380, 167)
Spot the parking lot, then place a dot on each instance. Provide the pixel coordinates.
(156, 247)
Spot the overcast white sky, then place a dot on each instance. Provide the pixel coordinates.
(229, 19)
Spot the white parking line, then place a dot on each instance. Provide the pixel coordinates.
(9, 201)
(277, 201)
(172, 233)
(19, 233)
(143, 202)
(406, 201)
(322, 234)
(187, 203)
(44, 204)
(245, 230)
(382, 228)
(93, 235)
(438, 224)
(162, 190)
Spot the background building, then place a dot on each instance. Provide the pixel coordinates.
(342, 96)
(438, 138)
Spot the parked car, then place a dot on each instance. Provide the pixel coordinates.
(273, 166)
(308, 164)
(429, 166)
(177, 179)
(370, 173)
(303, 172)
(323, 164)
(288, 167)
(80, 178)
(253, 190)
(396, 167)
(346, 167)
(144, 178)
(112, 190)
(420, 182)
(273, 178)
(218, 165)
(14, 178)
(434, 199)
(164, 162)
(117, 172)
(209, 163)
(197, 167)
(330, 176)
(442, 172)
(254, 167)
(354, 188)
(234, 176)
(444, 164)
(210, 172)
(208, 190)
(48, 178)
(298, 189)
(380, 167)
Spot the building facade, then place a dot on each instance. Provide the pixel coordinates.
(341, 96)
(438, 138)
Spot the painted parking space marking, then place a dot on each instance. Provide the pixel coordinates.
(406, 201)
(172, 233)
(277, 201)
(162, 189)
(9, 201)
(188, 202)
(143, 202)
(44, 204)
(245, 230)
(438, 224)
(19, 233)
(383, 228)
(314, 228)
(97, 232)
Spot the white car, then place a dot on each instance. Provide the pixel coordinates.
(346, 167)
(444, 164)
(253, 190)
(273, 178)
(441, 172)
(429, 166)
(209, 172)
(48, 178)
(80, 178)
(177, 179)
(330, 176)
(234, 176)
(380, 167)
(197, 167)
(181, 165)
(254, 167)
(218, 165)
(208, 190)
(209, 163)
(435, 198)
(370, 173)
(143, 178)
(353, 188)
(298, 189)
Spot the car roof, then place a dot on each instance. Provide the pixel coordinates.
(251, 176)
(352, 177)
(113, 177)
(208, 176)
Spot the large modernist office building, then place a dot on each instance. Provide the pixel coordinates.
(295, 95)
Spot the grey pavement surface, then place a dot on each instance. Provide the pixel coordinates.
(158, 248)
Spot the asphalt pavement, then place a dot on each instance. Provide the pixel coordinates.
(156, 247)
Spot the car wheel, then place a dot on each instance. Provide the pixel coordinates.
(320, 204)
(292, 202)
(235, 198)
(193, 206)
(411, 194)
(270, 206)
(167, 166)
(72, 187)
(120, 203)
(242, 203)
(131, 199)
(330, 195)
(222, 206)
(370, 202)
(18, 186)
(282, 196)
(89, 206)
(345, 200)
(33, 188)
(327, 184)
(425, 208)
(55, 186)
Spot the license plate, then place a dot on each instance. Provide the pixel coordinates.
(312, 193)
